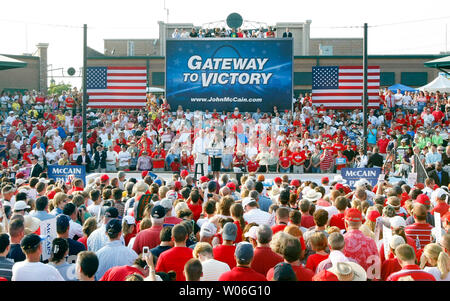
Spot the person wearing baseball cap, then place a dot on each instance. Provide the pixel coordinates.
(98, 238)
(278, 181)
(440, 205)
(391, 265)
(151, 237)
(20, 207)
(184, 173)
(242, 271)
(114, 253)
(357, 245)
(424, 200)
(225, 251)
(32, 269)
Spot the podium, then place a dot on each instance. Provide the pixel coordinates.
(214, 154)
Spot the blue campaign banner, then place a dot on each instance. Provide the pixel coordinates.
(227, 73)
(351, 175)
(67, 172)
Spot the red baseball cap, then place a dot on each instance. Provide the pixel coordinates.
(423, 199)
(184, 173)
(144, 173)
(178, 185)
(295, 183)
(20, 175)
(372, 216)
(204, 179)
(420, 186)
(338, 186)
(231, 185)
(325, 180)
(104, 178)
(353, 215)
(278, 180)
(347, 189)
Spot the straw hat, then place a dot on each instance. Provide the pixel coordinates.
(349, 271)
(31, 224)
(312, 195)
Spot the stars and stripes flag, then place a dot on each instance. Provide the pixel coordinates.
(116, 87)
(341, 87)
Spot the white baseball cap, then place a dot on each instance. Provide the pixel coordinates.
(208, 229)
(21, 205)
(397, 222)
(247, 201)
(129, 219)
(252, 232)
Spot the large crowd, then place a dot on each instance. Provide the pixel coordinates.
(228, 223)
(217, 32)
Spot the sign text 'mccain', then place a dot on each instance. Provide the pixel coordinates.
(66, 171)
(241, 65)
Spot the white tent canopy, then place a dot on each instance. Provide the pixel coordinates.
(440, 84)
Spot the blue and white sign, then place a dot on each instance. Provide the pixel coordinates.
(355, 174)
(227, 73)
(67, 172)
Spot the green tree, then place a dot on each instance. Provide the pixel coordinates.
(58, 88)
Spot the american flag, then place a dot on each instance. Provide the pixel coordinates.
(116, 87)
(341, 87)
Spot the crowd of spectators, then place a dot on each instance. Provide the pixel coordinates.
(218, 227)
(269, 32)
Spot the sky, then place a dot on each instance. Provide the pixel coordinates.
(395, 27)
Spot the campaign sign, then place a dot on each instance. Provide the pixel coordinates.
(67, 172)
(48, 233)
(353, 175)
(223, 74)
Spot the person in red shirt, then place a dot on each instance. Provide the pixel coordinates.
(318, 243)
(159, 153)
(264, 258)
(195, 204)
(341, 161)
(284, 163)
(291, 250)
(175, 165)
(298, 160)
(175, 258)
(420, 230)
(391, 265)
(120, 273)
(69, 145)
(242, 271)
(382, 144)
(407, 260)
(252, 164)
(237, 213)
(151, 237)
(225, 251)
(442, 207)
(337, 220)
(307, 219)
(281, 219)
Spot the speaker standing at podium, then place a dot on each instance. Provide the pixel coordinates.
(199, 150)
(215, 149)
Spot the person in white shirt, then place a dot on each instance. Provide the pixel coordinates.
(212, 269)
(124, 158)
(10, 119)
(199, 150)
(75, 229)
(38, 151)
(175, 34)
(111, 159)
(51, 156)
(32, 269)
(255, 215)
(398, 98)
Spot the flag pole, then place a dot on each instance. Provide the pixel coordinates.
(364, 98)
(85, 100)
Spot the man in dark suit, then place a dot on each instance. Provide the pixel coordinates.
(37, 169)
(84, 159)
(287, 34)
(439, 176)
